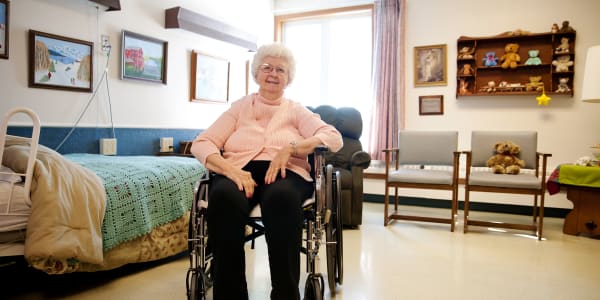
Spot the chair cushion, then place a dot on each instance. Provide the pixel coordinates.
(427, 147)
(482, 145)
(522, 180)
(421, 176)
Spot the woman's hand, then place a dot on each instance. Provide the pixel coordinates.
(278, 164)
(243, 180)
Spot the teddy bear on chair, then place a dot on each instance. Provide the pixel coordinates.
(506, 160)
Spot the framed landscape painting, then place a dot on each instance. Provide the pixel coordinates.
(210, 78)
(58, 62)
(4, 14)
(143, 58)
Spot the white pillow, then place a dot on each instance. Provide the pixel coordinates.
(8, 175)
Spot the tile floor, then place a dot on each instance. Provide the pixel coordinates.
(405, 260)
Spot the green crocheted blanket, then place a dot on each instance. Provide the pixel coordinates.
(143, 192)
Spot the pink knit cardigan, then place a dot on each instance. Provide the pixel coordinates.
(255, 128)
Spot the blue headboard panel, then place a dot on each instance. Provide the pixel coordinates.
(130, 141)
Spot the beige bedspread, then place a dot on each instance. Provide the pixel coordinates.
(68, 204)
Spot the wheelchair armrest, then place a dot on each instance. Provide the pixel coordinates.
(319, 150)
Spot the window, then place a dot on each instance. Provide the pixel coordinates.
(333, 51)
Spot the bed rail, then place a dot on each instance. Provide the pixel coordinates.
(34, 141)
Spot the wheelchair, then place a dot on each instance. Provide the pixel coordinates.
(322, 226)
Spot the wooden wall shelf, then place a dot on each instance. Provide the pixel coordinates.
(514, 81)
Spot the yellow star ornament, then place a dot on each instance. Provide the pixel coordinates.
(543, 99)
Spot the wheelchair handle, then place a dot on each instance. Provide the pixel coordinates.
(320, 149)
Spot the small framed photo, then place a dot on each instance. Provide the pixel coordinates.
(4, 18)
(210, 78)
(431, 105)
(58, 62)
(430, 65)
(143, 58)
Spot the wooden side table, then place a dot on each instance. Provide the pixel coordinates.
(585, 216)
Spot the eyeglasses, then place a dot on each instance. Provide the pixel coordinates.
(267, 68)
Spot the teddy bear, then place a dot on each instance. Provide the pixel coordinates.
(466, 70)
(562, 63)
(466, 53)
(563, 87)
(511, 56)
(535, 84)
(490, 59)
(563, 47)
(506, 158)
(533, 57)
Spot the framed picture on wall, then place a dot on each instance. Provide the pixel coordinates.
(143, 58)
(430, 65)
(4, 18)
(431, 105)
(210, 78)
(58, 62)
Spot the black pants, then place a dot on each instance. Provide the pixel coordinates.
(227, 215)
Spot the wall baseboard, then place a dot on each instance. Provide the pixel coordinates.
(551, 212)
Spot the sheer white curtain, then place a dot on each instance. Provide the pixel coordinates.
(333, 57)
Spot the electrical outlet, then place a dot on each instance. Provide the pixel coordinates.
(166, 144)
(105, 44)
(108, 146)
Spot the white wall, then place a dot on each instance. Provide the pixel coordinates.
(567, 127)
(134, 103)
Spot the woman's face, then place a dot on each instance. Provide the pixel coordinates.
(272, 75)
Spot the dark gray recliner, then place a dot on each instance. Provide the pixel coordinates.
(351, 160)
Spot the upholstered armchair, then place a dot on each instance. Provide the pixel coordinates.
(351, 160)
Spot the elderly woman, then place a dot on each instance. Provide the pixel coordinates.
(258, 149)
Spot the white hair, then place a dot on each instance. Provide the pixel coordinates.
(274, 50)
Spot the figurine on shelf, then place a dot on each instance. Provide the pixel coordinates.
(566, 28)
(503, 86)
(463, 87)
(490, 88)
(466, 70)
(563, 47)
(563, 87)
(554, 28)
(490, 59)
(466, 53)
(533, 57)
(562, 63)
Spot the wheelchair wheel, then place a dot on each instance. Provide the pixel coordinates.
(195, 286)
(313, 289)
(199, 275)
(333, 232)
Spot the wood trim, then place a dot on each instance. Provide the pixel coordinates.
(280, 19)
